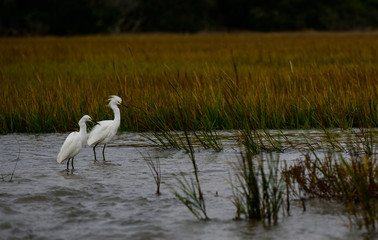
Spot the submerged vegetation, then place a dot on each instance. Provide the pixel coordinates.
(347, 173)
(298, 80)
(351, 181)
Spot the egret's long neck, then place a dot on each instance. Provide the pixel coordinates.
(83, 132)
(117, 114)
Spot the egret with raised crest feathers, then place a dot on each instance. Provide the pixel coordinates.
(105, 131)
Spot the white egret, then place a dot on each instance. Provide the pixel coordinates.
(107, 129)
(74, 142)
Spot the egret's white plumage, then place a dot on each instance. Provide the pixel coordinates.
(74, 142)
(105, 131)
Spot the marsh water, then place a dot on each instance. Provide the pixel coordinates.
(116, 199)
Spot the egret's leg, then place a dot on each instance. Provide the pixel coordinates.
(72, 163)
(68, 162)
(103, 152)
(94, 151)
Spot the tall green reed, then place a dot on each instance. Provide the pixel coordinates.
(190, 193)
(258, 189)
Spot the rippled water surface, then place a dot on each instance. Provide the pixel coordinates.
(117, 200)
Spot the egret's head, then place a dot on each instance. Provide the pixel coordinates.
(115, 100)
(87, 118)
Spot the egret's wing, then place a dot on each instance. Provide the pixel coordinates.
(69, 147)
(99, 132)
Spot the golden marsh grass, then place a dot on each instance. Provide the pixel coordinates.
(288, 80)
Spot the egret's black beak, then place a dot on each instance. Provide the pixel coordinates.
(95, 122)
(124, 105)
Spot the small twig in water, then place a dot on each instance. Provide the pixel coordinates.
(3, 178)
(155, 170)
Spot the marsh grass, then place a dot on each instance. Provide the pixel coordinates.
(333, 176)
(155, 168)
(361, 198)
(173, 139)
(366, 139)
(275, 80)
(190, 193)
(167, 139)
(209, 138)
(341, 167)
(258, 190)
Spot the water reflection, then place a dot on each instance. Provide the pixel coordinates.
(66, 173)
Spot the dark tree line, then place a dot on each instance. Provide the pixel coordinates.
(72, 17)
